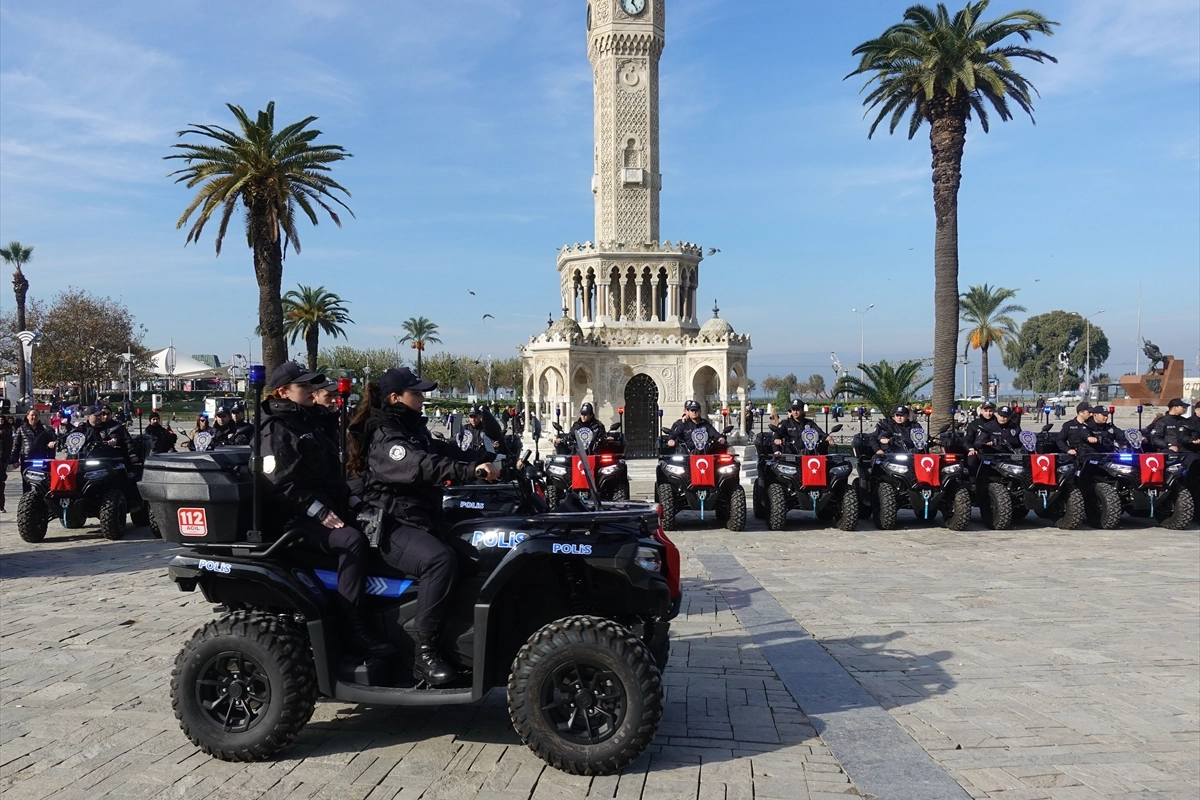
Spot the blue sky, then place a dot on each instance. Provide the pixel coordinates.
(470, 122)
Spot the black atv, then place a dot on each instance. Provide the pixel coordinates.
(563, 470)
(807, 480)
(698, 475)
(1137, 483)
(97, 483)
(1007, 485)
(569, 611)
(521, 495)
(889, 482)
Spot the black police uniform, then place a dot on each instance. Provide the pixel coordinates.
(1074, 436)
(681, 432)
(1111, 437)
(1176, 431)
(995, 437)
(790, 430)
(161, 439)
(113, 430)
(971, 433)
(892, 430)
(593, 424)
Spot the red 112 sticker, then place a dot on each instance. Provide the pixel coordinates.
(192, 522)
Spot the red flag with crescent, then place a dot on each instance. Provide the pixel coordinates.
(703, 472)
(578, 476)
(63, 475)
(928, 468)
(1152, 468)
(812, 472)
(1041, 469)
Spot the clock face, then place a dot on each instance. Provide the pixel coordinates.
(633, 7)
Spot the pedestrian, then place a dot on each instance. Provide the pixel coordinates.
(31, 439)
(6, 443)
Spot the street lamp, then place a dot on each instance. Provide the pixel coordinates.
(862, 347)
(249, 351)
(1087, 357)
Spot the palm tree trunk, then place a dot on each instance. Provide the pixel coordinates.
(420, 347)
(983, 357)
(268, 269)
(947, 136)
(20, 290)
(310, 339)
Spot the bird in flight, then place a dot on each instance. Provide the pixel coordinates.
(488, 316)
(712, 251)
(470, 292)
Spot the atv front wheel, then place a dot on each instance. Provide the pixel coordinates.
(960, 510)
(1182, 513)
(244, 687)
(666, 498)
(621, 492)
(141, 517)
(554, 496)
(848, 513)
(75, 516)
(883, 510)
(736, 520)
(761, 508)
(33, 518)
(1072, 511)
(1104, 512)
(585, 695)
(112, 514)
(777, 496)
(995, 507)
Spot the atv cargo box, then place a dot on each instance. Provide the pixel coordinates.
(200, 498)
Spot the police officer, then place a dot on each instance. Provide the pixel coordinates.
(681, 431)
(987, 413)
(304, 488)
(898, 430)
(243, 431)
(791, 428)
(162, 440)
(405, 470)
(483, 430)
(116, 435)
(222, 429)
(587, 419)
(1173, 432)
(1075, 436)
(1110, 436)
(1001, 434)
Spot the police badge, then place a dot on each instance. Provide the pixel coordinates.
(919, 439)
(74, 443)
(699, 439)
(1029, 440)
(584, 437)
(1134, 437)
(464, 440)
(810, 438)
(202, 441)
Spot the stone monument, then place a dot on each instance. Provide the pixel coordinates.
(1162, 381)
(628, 338)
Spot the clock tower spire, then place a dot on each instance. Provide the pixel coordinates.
(625, 40)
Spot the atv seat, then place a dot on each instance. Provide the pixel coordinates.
(382, 578)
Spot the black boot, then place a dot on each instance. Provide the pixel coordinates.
(360, 635)
(428, 664)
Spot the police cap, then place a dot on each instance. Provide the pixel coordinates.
(796, 406)
(900, 411)
(1004, 411)
(1100, 410)
(691, 405)
(1083, 407)
(586, 410)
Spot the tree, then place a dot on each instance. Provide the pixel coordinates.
(944, 70)
(309, 312)
(16, 255)
(816, 383)
(986, 313)
(418, 332)
(508, 373)
(1033, 354)
(271, 174)
(445, 369)
(362, 364)
(883, 386)
(83, 340)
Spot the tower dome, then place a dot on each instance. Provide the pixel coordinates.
(565, 327)
(716, 328)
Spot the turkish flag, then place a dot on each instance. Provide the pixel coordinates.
(1041, 467)
(703, 472)
(812, 472)
(1152, 467)
(63, 475)
(578, 476)
(928, 468)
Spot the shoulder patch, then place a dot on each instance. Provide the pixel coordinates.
(397, 452)
(268, 464)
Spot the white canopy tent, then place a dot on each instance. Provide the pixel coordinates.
(184, 366)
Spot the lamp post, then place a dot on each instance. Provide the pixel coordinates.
(249, 352)
(1087, 357)
(862, 346)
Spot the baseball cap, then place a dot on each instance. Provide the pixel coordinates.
(691, 405)
(1100, 410)
(90, 410)
(1176, 402)
(222, 412)
(474, 411)
(397, 380)
(1083, 407)
(900, 411)
(1004, 411)
(988, 404)
(291, 372)
(796, 406)
(586, 408)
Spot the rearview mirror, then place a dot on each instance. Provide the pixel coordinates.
(1046, 428)
(836, 428)
(666, 431)
(616, 426)
(728, 430)
(557, 427)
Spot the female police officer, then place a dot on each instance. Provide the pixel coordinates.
(305, 490)
(405, 469)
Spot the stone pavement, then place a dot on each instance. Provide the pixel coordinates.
(1027, 664)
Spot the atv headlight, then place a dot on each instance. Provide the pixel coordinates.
(896, 469)
(648, 559)
(951, 469)
(1065, 468)
(839, 469)
(609, 470)
(35, 477)
(1174, 467)
(675, 469)
(727, 470)
(1013, 469)
(1119, 469)
(555, 469)
(785, 469)
(95, 474)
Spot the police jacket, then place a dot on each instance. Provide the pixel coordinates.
(790, 429)
(302, 474)
(898, 434)
(996, 438)
(972, 430)
(31, 442)
(1174, 431)
(243, 433)
(406, 467)
(162, 440)
(113, 430)
(6, 445)
(1074, 436)
(1111, 437)
(473, 438)
(596, 427)
(681, 432)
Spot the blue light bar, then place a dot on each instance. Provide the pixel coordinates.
(38, 462)
(1125, 457)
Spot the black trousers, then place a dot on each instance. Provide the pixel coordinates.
(419, 553)
(352, 549)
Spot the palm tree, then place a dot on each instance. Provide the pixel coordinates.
(270, 173)
(944, 69)
(309, 312)
(986, 311)
(883, 386)
(17, 255)
(418, 332)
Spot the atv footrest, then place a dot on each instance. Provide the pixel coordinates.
(408, 696)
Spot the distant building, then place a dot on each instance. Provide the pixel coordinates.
(207, 358)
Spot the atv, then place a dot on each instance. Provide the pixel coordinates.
(569, 611)
(807, 480)
(697, 475)
(97, 483)
(563, 470)
(915, 479)
(1137, 483)
(1008, 485)
(521, 495)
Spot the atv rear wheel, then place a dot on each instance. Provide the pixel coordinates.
(995, 507)
(1104, 512)
(777, 519)
(1181, 513)
(554, 496)
(141, 517)
(736, 518)
(960, 510)
(112, 514)
(761, 508)
(1072, 511)
(585, 695)
(33, 518)
(244, 687)
(848, 510)
(883, 510)
(621, 492)
(666, 498)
